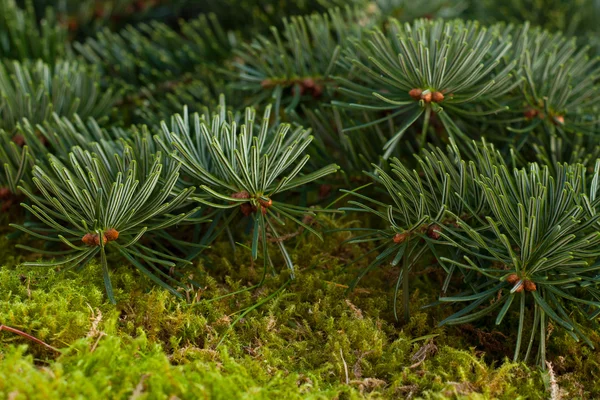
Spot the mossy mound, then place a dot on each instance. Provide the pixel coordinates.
(309, 338)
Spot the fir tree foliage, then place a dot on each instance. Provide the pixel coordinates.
(415, 69)
(22, 37)
(244, 167)
(559, 89)
(96, 204)
(297, 63)
(154, 52)
(536, 247)
(17, 163)
(34, 90)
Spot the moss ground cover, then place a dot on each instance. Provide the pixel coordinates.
(311, 338)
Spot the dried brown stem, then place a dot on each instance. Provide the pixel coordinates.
(28, 336)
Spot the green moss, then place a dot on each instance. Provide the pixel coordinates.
(312, 340)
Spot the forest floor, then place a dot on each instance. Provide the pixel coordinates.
(309, 338)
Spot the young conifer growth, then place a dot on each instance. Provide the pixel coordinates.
(34, 90)
(22, 37)
(17, 162)
(535, 252)
(296, 64)
(91, 206)
(245, 167)
(417, 208)
(559, 92)
(413, 71)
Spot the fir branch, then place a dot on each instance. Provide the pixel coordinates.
(296, 64)
(244, 167)
(36, 90)
(22, 37)
(428, 67)
(94, 207)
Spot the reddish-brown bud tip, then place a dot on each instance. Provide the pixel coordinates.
(266, 203)
(519, 288)
(267, 83)
(415, 93)
(111, 234)
(530, 286)
(530, 113)
(512, 279)
(427, 97)
(324, 190)
(434, 232)
(241, 195)
(400, 237)
(19, 140)
(559, 120)
(247, 208)
(317, 91)
(308, 83)
(88, 239)
(97, 240)
(5, 193)
(437, 97)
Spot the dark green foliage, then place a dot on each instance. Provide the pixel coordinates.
(407, 10)
(16, 164)
(296, 64)
(415, 70)
(573, 17)
(34, 90)
(420, 203)
(92, 199)
(244, 167)
(559, 90)
(23, 37)
(525, 238)
(154, 52)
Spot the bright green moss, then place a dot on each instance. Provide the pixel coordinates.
(313, 340)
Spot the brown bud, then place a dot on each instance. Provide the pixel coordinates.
(99, 11)
(530, 113)
(241, 195)
(400, 237)
(111, 234)
(415, 93)
(324, 190)
(512, 279)
(88, 239)
(265, 203)
(427, 97)
(437, 97)
(317, 91)
(434, 232)
(6, 205)
(263, 210)
(5, 193)
(73, 24)
(97, 240)
(519, 288)
(267, 83)
(530, 286)
(247, 209)
(19, 140)
(308, 83)
(559, 120)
